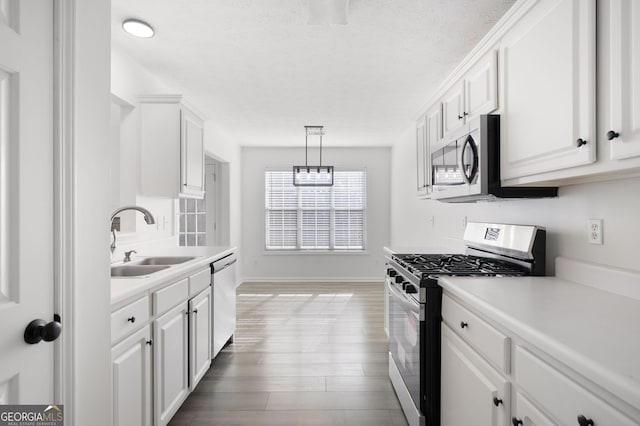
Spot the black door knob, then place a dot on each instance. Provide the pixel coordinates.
(580, 142)
(496, 401)
(516, 421)
(611, 135)
(39, 329)
(583, 421)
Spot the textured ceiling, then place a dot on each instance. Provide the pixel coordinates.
(257, 70)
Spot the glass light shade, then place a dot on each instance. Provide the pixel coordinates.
(313, 175)
(138, 28)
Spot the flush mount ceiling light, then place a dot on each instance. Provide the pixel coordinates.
(137, 28)
(328, 12)
(312, 175)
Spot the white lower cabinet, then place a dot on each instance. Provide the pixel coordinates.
(527, 414)
(472, 392)
(171, 362)
(131, 378)
(199, 337)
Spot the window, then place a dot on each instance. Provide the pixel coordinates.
(315, 218)
(193, 222)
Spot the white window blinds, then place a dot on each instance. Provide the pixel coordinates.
(315, 218)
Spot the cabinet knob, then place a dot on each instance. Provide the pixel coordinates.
(583, 421)
(580, 142)
(131, 319)
(195, 311)
(463, 324)
(496, 401)
(459, 117)
(465, 113)
(516, 421)
(611, 135)
(149, 342)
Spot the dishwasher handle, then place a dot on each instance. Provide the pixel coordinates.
(223, 263)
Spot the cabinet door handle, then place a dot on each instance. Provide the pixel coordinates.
(459, 117)
(580, 142)
(583, 421)
(149, 342)
(195, 311)
(465, 113)
(463, 324)
(516, 421)
(496, 401)
(612, 134)
(131, 319)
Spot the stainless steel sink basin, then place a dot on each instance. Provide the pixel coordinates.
(127, 271)
(163, 260)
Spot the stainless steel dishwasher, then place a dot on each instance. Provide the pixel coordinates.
(223, 278)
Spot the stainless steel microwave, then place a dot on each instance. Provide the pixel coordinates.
(466, 166)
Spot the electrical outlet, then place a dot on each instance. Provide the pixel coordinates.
(594, 231)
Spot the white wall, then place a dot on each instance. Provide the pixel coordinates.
(129, 80)
(258, 266)
(565, 217)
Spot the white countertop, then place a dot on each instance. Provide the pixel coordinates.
(125, 288)
(591, 331)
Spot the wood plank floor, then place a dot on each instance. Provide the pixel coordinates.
(303, 355)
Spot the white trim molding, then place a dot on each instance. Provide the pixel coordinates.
(64, 203)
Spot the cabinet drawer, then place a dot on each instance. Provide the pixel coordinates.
(494, 345)
(563, 398)
(529, 414)
(199, 281)
(131, 317)
(170, 296)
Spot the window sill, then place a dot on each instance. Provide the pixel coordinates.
(315, 252)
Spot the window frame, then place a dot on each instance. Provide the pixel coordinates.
(332, 228)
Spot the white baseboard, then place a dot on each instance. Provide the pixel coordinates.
(374, 280)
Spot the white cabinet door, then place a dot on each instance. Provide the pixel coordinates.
(453, 109)
(625, 78)
(527, 413)
(481, 87)
(421, 158)
(199, 336)
(191, 154)
(472, 392)
(171, 362)
(131, 378)
(548, 66)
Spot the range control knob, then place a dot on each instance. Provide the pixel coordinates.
(391, 272)
(399, 279)
(410, 288)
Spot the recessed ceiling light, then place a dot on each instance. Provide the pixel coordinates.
(138, 28)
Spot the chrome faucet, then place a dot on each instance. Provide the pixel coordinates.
(115, 221)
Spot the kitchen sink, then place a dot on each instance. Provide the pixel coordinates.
(163, 260)
(127, 271)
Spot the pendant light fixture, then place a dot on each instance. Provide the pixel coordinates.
(312, 175)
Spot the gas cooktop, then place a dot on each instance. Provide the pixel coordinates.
(424, 265)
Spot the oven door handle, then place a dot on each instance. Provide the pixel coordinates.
(414, 307)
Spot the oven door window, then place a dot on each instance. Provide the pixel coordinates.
(404, 339)
(445, 165)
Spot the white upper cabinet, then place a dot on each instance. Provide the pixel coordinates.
(475, 94)
(453, 109)
(624, 77)
(481, 87)
(548, 70)
(422, 154)
(172, 148)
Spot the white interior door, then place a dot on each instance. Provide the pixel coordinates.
(26, 198)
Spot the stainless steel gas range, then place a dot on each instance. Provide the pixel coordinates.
(415, 300)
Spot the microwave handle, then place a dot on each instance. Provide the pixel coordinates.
(474, 168)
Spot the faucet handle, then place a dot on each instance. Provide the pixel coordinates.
(127, 255)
